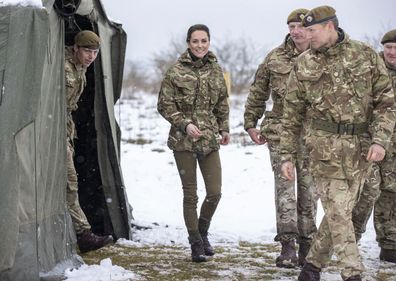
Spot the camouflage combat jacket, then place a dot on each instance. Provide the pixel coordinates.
(75, 81)
(346, 83)
(392, 73)
(270, 80)
(194, 92)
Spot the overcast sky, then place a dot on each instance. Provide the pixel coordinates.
(151, 24)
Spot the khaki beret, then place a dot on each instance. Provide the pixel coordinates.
(297, 15)
(389, 37)
(87, 39)
(318, 15)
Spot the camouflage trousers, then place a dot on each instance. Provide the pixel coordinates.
(368, 196)
(379, 192)
(385, 220)
(295, 217)
(79, 219)
(210, 167)
(385, 206)
(336, 234)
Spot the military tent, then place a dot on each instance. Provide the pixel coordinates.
(37, 238)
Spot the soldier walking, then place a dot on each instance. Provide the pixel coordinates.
(382, 180)
(339, 87)
(295, 219)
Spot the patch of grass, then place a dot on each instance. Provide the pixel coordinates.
(246, 261)
(138, 140)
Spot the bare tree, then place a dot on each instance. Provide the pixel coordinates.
(135, 79)
(163, 60)
(240, 58)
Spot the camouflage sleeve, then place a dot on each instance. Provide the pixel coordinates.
(293, 115)
(258, 96)
(166, 104)
(222, 109)
(384, 110)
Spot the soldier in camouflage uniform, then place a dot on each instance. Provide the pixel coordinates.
(382, 181)
(77, 59)
(193, 98)
(294, 220)
(337, 87)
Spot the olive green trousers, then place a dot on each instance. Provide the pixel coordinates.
(210, 167)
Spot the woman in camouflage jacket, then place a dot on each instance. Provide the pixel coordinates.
(193, 98)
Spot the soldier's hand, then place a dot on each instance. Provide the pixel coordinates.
(376, 153)
(287, 169)
(225, 138)
(256, 136)
(193, 131)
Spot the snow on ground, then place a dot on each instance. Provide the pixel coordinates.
(103, 272)
(246, 211)
(34, 3)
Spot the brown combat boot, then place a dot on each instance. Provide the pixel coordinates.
(354, 278)
(203, 227)
(88, 241)
(303, 250)
(288, 257)
(388, 255)
(197, 251)
(309, 272)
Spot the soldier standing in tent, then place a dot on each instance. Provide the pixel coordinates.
(340, 87)
(77, 59)
(295, 219)
(193, 98)
(382, 181)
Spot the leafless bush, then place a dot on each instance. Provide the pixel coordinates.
(240, 58)
(135, 79)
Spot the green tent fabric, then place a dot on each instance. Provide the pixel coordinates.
(38, 240)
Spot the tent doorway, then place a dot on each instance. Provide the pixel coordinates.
(90, 187)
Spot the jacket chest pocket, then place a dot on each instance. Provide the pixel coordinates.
(279, 74)
(185, 94)
(313, 85)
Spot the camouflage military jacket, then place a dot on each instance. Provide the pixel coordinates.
(346, 83)
(270, 80)
(392, 73)
(75, 81)
(194, 92)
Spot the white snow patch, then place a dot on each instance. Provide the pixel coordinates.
(106, 271)
(33, 3)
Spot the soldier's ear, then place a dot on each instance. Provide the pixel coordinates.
(75, 48)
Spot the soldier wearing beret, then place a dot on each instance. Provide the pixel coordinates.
(382, 180)
(340, 87)
(295, 218)
(77, 59)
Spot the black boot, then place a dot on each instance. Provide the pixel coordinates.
(354, 278)
(197, 251)
(388, 255)
(203, 226)
(288, 256)
(88, 241)
(303, 250)
(309, 272)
